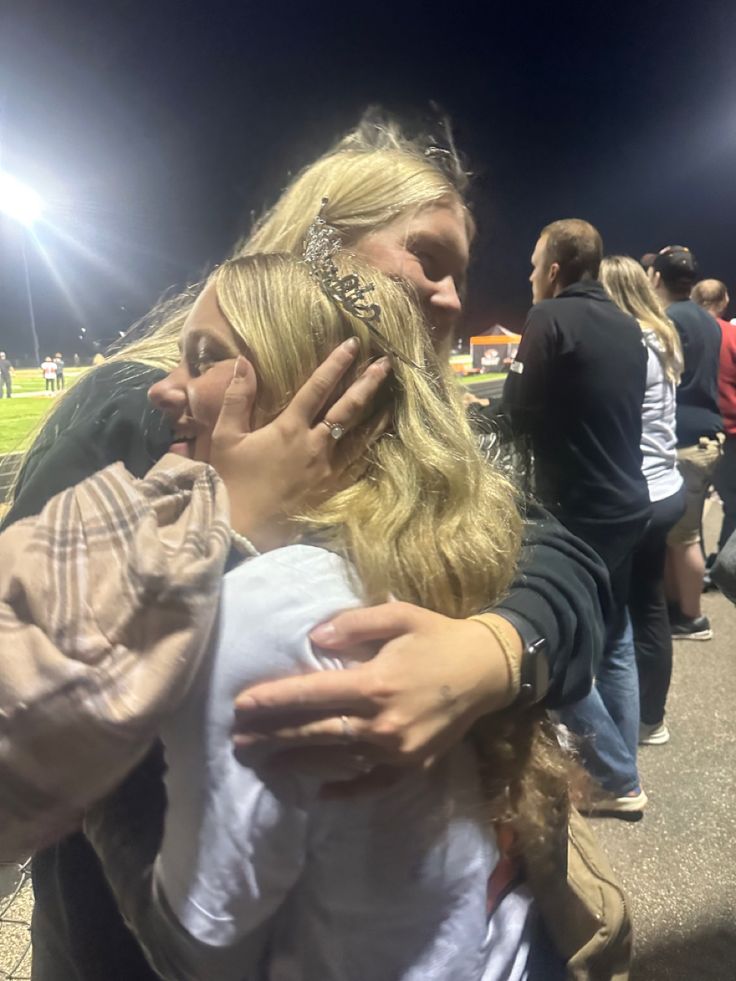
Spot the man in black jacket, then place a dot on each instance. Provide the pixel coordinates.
(575, 391)
(699, 434)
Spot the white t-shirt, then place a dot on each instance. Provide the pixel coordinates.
(658, 439)
(49, 369)
(273, 883)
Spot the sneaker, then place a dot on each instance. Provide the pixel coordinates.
(653, 735)
(631, 804)
(697, 628)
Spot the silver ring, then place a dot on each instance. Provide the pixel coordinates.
(348, 733)
(336, 430)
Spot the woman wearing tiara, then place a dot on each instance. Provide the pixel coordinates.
(391, 201)
(258, 875)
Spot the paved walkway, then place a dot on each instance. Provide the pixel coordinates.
(679, 863)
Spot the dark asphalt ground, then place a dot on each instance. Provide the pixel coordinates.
(678, 864)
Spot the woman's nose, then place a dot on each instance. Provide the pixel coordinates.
(169, 395)
(446, 298)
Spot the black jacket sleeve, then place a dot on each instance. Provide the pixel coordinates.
(104, 418)
(561, 589)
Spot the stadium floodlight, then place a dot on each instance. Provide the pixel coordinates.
(18, 201)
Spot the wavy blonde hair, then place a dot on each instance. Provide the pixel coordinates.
(427, 520)
(628, 286)
(372, 176)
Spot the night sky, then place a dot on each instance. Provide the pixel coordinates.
(154, 130)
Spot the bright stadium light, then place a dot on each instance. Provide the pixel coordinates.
(18, 201)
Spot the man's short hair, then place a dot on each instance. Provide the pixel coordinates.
(678, 268)
(710, 293)
(647, 260)
(576, 246)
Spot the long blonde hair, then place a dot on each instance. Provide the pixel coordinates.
(427, 520)
(629, 288)
(371, 176)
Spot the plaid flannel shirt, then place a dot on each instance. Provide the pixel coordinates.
(107, 600)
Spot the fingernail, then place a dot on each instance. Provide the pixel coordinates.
(385, 365)
(351, 345)
(324, 634)
(240, 369)
(244, 742)
(245, 703)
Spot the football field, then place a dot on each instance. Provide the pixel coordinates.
(21, 415)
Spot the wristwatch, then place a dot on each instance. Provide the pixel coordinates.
(534, 666)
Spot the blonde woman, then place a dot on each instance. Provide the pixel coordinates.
(400, 203)
(629, 287)
(258, 876)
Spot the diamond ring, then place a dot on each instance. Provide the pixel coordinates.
(336, 430)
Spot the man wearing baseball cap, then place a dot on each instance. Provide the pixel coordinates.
(673, 273)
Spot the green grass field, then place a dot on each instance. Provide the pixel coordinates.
(21, 416)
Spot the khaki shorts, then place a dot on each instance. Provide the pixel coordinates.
(696, 464)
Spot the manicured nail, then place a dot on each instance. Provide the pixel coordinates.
(351, 345)
(246, 703)
(385, 365)
(324, 634)
(241, 741)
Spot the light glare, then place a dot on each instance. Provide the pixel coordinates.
(18, 201)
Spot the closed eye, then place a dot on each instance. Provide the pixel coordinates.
(202, 352)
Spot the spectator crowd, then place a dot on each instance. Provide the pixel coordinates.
(625, 386)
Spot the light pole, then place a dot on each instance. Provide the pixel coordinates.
(21, 203)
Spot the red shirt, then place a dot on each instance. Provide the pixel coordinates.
(727, 376)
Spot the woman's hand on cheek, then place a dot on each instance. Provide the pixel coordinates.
(274, 472)
(432, 678)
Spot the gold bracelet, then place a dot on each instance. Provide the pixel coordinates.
(513, 661)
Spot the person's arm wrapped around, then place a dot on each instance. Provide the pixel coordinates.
(107, 600)
(561, 589)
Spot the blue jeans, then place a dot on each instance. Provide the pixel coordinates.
(608, 718)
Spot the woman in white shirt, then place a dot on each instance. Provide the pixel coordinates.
(259, 876)
(629, 287)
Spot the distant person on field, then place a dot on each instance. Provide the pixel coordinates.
(49, 373)
(59, 371)
(712, 295)
(699, 435)
(6, 371)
